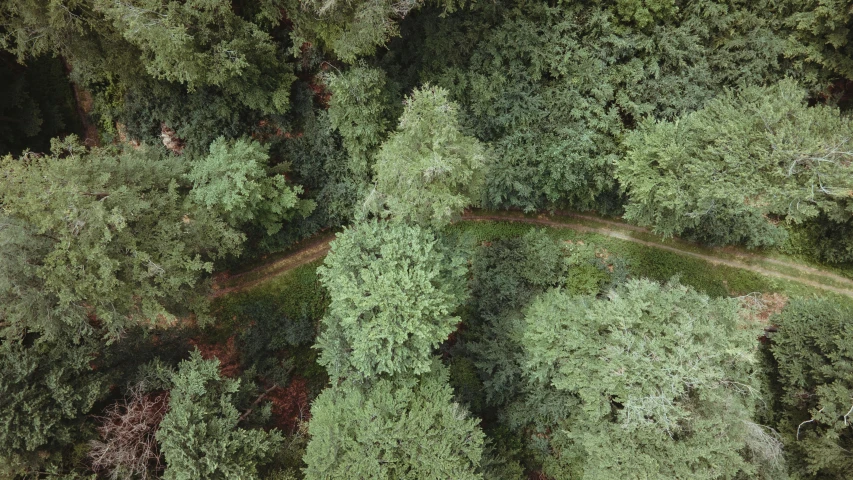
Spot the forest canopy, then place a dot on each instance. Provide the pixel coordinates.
(304, 239)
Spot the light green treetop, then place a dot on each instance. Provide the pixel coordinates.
(723, 172)
(665, 379)
(428, 171)
(233, 180)
(393, 289)
(405, 428)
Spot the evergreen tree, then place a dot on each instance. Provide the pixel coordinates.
(348, 29)
(726, 173)
(393, 289)
(115, 234)
(358, 110)
(200, 437)
(662, 383)
(203, 42)
(428, 171)
(233, 181)
(46, 388)
(553, 88)
(405, 428)
(813, 365)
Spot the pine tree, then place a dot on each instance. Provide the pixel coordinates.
(233, 181)
(728, 172)
(662, 383)
(428, 171)
(405, 428)
(200, 436)
(393, 289)
(112, 232)
(46, 388)
(812, 356)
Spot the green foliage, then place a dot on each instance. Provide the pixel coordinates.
(32, 28)
(645, 12)
(198, 117)
(321, 164)
(509, 272)
(813, 359)
(358, 110)
(405, 428)
(393, 289)
(664, 378)
(428, 171)
(347, 29)
(200, 437)
(724, 173)
(821, 33)
(203, 42)
(117, 234)
(554, 88)
(233, 181)
(47, 387)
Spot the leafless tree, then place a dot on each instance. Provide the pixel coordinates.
(128, 448)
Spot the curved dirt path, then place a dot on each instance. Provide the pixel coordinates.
(314, 249)
(728, 256)
(712, 259)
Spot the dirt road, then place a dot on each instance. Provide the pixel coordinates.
(732, 257)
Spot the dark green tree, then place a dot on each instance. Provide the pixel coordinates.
(553, 88)
(200, 436)
(405, 428)
(46, 389)
(348, 29)
(115, 234)
(393, 290)
(813, 365)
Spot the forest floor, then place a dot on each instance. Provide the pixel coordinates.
(770, 265)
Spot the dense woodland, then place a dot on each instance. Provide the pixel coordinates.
(153, 148)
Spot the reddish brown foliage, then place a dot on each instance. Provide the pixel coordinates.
(229, 357)
(129, 448)
(290, 405)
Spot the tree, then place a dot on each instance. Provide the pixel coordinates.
(552, 88)
(233, 181)
(47, 387)
(405, 428)
(358, 111)
(129, 448)
(729, 172)
(112, 232)
(811, 354)
(206, 43)
(348, 29)
(393, 289)
(663, 380)
(820, 32)
(199, 435)
(428, 170)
